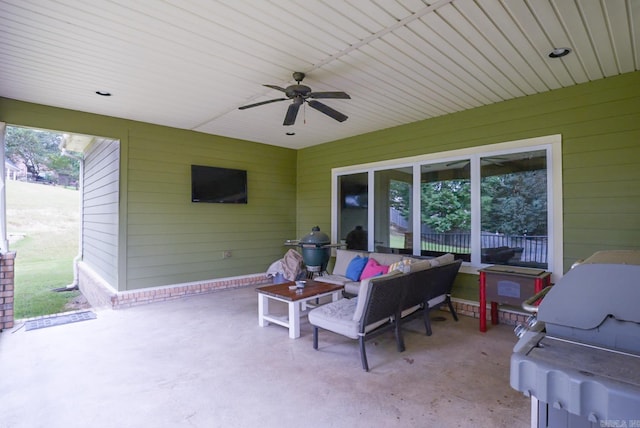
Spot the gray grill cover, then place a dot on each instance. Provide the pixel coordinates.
(597, 302)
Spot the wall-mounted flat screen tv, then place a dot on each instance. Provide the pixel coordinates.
(218, 185)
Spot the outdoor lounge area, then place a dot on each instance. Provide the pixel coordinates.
(211, 136)
(204, 361)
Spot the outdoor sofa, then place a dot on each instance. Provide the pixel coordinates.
(383, 302)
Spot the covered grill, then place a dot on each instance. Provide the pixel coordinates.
(579, 358)
(316, 250)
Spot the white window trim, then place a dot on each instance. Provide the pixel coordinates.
(553, 145)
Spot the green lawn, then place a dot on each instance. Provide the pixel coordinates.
(397, 241)
(42, 223)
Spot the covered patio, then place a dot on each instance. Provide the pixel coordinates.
(203, 361)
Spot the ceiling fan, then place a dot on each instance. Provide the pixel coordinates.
(300, 94)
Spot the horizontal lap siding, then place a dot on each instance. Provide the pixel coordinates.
(600, 127)
(172, 240)
(100, 209)
(163, 237)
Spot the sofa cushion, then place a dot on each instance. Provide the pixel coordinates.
(333, 279)
(373, 268)
(385, 258)
(442, 260)
(357, 287)
(418, 265)
(340, 317)
(410, 310)
(355, 268)
(352, 287)
(343, 258)
(337, 317)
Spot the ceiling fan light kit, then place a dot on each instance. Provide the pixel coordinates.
(299, 94)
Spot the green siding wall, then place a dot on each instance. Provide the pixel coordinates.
(164, 238)
(171, 240)
(600, 127)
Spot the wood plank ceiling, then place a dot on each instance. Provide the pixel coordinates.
(191, 63)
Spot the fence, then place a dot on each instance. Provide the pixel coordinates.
(527, 250)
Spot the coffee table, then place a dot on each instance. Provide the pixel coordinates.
(297, 302)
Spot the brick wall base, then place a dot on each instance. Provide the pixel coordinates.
(7, 266)
(101, 295)
(506, 315)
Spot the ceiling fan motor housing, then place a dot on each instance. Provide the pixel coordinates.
(295, 90)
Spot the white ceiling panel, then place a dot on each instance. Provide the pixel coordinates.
(600, 34)
(618, 22)
(192, 63)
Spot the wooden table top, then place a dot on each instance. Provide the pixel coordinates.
(312, 288)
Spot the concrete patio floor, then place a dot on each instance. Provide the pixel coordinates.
(203, 361)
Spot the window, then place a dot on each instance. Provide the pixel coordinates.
(353, 195)
(497, 204)
(393, 210)
(514, 209)
(445, 209)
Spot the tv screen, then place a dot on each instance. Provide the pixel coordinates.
(356, 201)
(218, 185)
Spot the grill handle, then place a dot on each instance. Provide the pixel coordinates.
(529, 304)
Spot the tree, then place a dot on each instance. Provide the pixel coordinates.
(39, 151)
(515, 203)
(64, 165)
(400, 197)
(446, 205)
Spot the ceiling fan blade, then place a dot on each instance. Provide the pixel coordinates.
(277, 88)
(328, 111)
(337, 95)
(463, 163)
(261, 103)
(292, 112)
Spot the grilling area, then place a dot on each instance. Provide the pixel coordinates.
(578, 357)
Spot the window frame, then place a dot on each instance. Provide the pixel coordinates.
(552, 144)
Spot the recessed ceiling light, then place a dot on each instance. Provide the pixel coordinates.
(291, 133)
(103, 93)
(559, 52)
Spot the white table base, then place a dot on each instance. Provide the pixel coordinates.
(295, 310)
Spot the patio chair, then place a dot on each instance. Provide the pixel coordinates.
(373, 312)
(430, 289)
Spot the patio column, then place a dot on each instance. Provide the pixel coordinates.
(6, 289)
(4, 242)
(6, 258)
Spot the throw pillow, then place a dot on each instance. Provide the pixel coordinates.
(396, 266)
(343, 258)
(373, 268)
(355, 268)
(402, 265)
